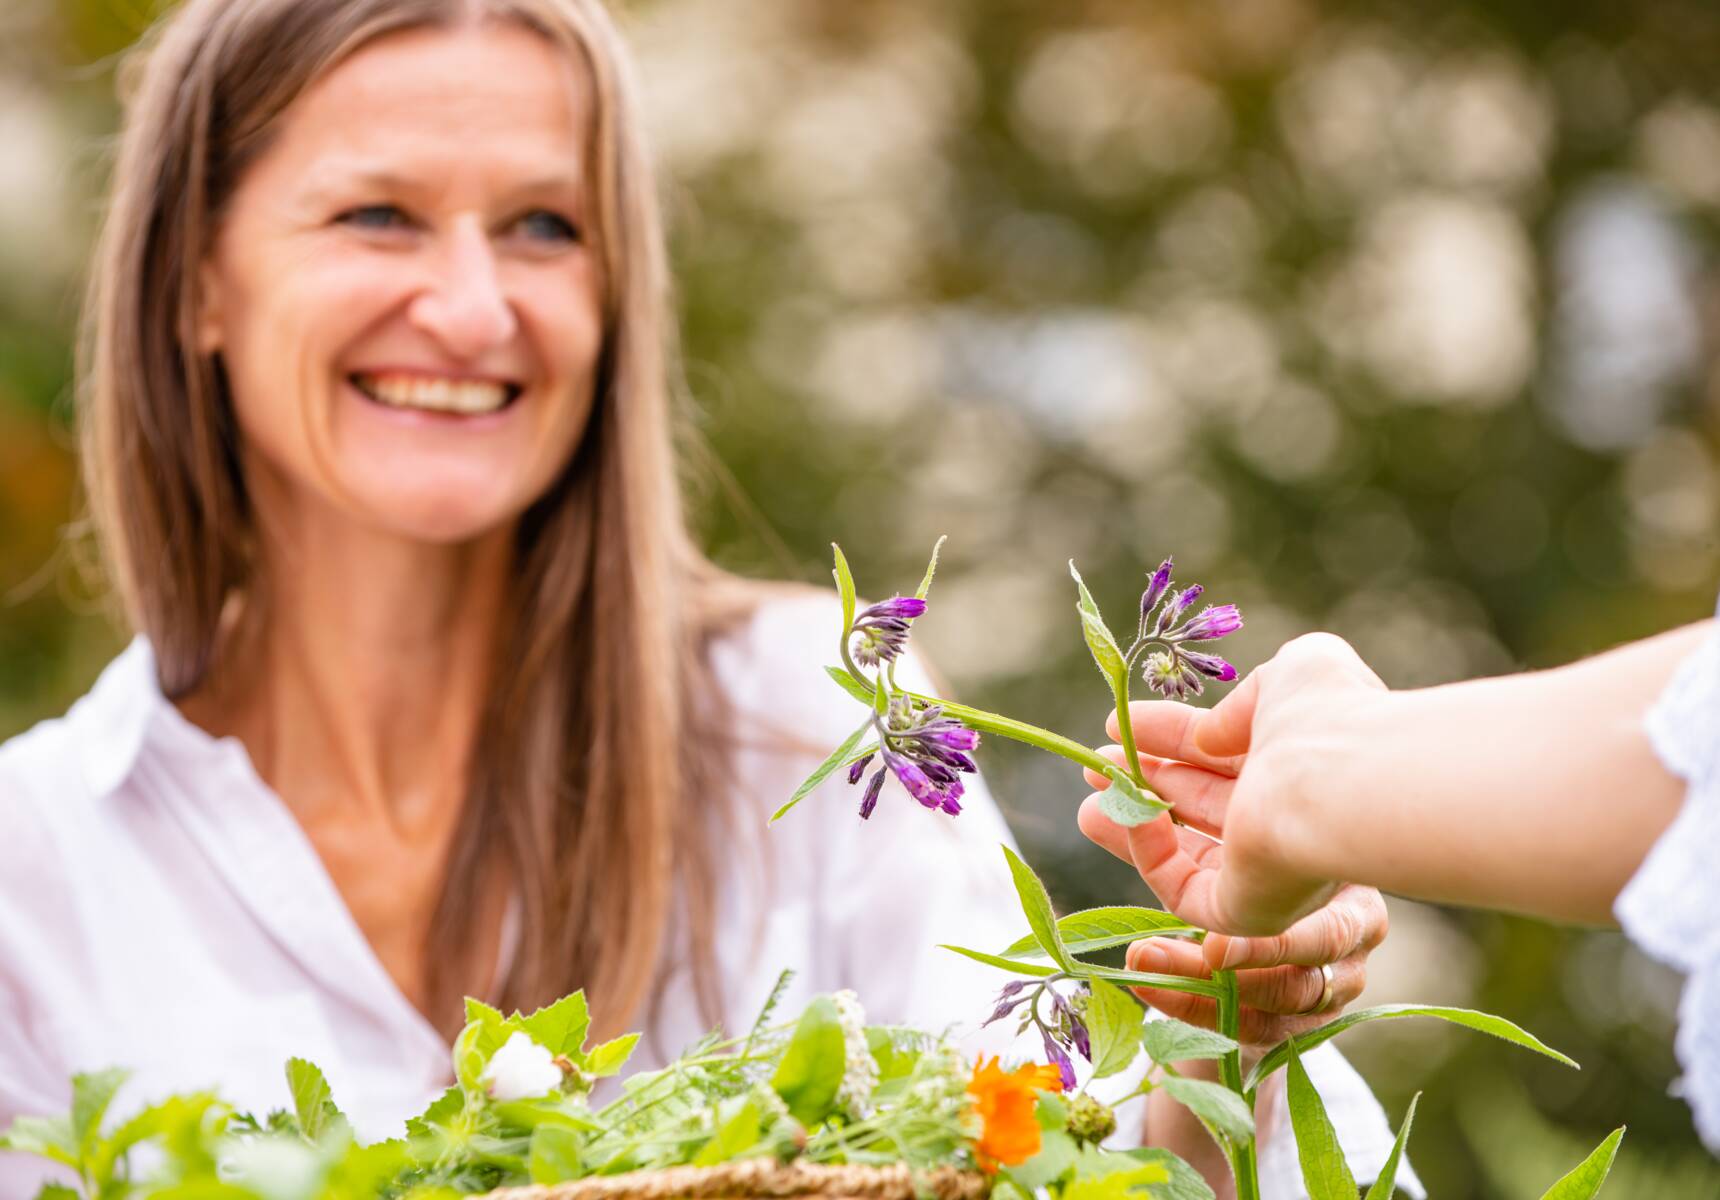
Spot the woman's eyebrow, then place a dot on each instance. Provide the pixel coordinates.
(338, 180)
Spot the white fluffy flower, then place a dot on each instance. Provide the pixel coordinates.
(520, 1070)
(860, 1071)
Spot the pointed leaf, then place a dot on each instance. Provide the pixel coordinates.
(1170, 1041)
(91, 1095)
(861, 691)
(1385, 1184)
(1214, 1104)
(313, 1102)
(1013, 966)
(1107, 655)
(1499, 1027)
(45, 1137)
(57, 1191)
(844, 588)
(1036, 905)
(609, 1057)
(1146, 979)
(559, 1028)
(736, 1134)
(1586, 1180)
(931, 568)
(1325, 1171)
(1101, 928)
(1126, 802)
(838, 758)
(1113, 1027)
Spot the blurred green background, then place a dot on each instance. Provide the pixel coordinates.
(1393, 319)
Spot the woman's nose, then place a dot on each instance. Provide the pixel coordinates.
(465, 307)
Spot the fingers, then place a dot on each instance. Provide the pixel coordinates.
(1276, 1000)
(1167, 729)
(1197, 796)
(1355, 919)
(1177, 863)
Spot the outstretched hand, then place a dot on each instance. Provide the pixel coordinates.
(1226, 862)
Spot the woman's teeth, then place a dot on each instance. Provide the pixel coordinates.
(464, 396)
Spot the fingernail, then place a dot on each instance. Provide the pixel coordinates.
(1151, 959)
(1234, 953)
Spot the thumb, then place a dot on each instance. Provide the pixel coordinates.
(1224, 730)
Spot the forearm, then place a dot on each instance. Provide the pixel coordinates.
(1538, 792)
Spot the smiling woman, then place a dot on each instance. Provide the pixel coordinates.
(431, 692)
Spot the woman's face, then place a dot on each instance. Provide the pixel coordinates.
(401, 289)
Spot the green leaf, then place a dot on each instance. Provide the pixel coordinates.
(854, 687)
(45, 1137)
(880, 695)
(1183, 1182)
(1107, 655)
(1036, 905)
(1126, 802)
(1170, 1040)
(810, 1073)
(1325, 1172)
(844, 588)
(1213, 1103)
(1169, 983)
(1113, 1027)
(838, 757)
(313, 1102)
(609, 1057)
(57, 1191)
(91, 1095)
(1011, 965)
(1101, 928)
(1385, 1184)
(1590, 1174)
(554, 1154)
(931, 568)
(738, 1133)
(561, 1027)
(1057, 1155)
(1499, 1027)
(1117, 1185)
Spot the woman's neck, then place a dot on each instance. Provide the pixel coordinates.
(356, 676)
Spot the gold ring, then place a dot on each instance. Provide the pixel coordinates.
(1325, 1000)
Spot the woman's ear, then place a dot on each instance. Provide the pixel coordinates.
(209, 308)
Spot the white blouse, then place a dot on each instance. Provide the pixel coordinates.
(1671, 906)
(162, 910)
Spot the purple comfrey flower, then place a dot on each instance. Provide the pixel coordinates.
(1054, 1052)
(1156, 585)
(881, 631)
(1170, 676)
(857, 770)
(869, 799)
(1212, 624)
(1210, 665)
(1008, 1000)
(1071, 1029)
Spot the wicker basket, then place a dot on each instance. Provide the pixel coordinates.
(765, 1179)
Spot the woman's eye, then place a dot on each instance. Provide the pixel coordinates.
(543, 225)
(374, 216)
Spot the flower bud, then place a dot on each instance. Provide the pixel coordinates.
(1089, 1120)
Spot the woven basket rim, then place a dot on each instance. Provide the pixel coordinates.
(765, 1179)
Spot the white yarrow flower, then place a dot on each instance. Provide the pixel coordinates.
(860, 1071)
(520, 1070)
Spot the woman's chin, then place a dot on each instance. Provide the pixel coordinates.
(441, 515)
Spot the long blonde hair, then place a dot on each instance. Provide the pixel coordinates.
(591, 789)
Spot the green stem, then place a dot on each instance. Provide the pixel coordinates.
(1241, 1154)
(862, 689)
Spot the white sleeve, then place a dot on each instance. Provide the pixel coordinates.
(1668, 907)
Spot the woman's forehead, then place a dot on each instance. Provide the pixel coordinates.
(491, 92)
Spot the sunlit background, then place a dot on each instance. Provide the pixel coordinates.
(1393, 319)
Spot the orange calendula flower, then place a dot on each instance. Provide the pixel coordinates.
(1004, 1101)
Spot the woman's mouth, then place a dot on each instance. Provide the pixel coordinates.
(431, 393)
